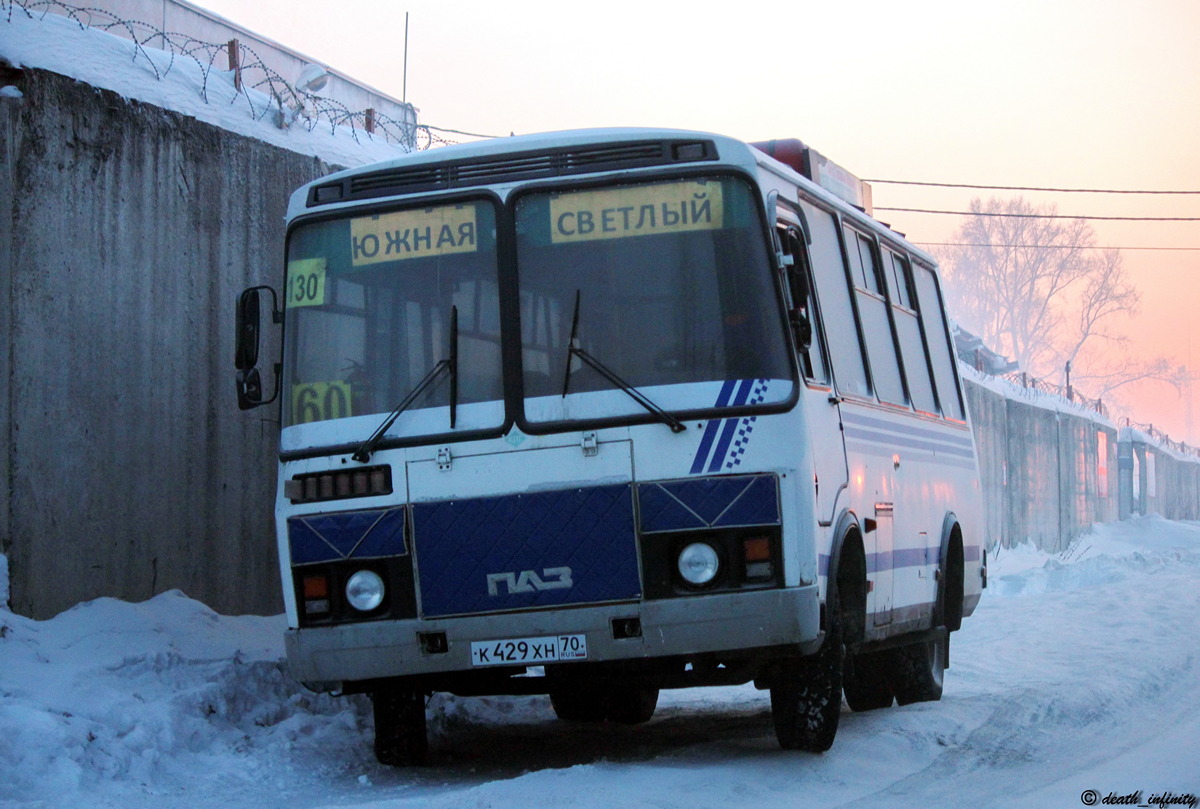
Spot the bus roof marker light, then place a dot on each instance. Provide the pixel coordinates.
(689, 151)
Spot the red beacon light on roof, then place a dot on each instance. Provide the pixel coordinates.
(821, 170)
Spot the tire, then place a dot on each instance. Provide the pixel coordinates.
(632, 705)
(806, 697)
(865, 682)
(916, 671)
(400, 736)
(624, 705)
(578, 704)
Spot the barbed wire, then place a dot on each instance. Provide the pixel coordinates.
(1071, 394)
(285, 104)
(1162, 438)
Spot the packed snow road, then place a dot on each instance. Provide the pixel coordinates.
(1076, 680)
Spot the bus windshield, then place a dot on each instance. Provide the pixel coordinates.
(369, 301)
(674, 292)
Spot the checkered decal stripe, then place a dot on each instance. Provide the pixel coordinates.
(725, 440)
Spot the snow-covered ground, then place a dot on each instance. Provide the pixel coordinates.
(1078, 672)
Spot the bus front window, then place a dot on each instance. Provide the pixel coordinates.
(369, 303)
(674, 293)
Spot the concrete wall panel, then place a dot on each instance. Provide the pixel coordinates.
(131, 231)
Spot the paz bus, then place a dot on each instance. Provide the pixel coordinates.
(593, 414)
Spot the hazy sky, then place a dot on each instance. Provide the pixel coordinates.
(1063, 93)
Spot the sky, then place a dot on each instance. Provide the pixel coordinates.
(1059, 93)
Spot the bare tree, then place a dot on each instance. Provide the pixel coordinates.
(1038, 289)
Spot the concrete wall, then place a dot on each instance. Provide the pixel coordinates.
(1040, 469)
(1156, 479)
(126, 232)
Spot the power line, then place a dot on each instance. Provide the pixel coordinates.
(1031, 188)
(1050, 246)
(1050, 215)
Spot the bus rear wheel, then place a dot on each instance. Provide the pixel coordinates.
(578, 704)
(632, 705)
(806, 697)
(916, 671)
(624, 705)
(400, 734)
(865, 682)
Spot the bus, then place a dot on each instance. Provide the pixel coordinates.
(598, 413)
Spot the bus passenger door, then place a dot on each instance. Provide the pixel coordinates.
(880, 547)
(822, 407)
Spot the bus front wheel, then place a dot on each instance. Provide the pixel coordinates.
(806, 696)
(400, 735)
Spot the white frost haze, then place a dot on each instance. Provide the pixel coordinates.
(1078, 671)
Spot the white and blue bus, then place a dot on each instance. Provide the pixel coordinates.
(593, 414)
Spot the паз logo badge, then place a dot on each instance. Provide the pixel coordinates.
(528, 581)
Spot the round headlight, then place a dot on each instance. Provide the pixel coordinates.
(698, 563)
(365, 590)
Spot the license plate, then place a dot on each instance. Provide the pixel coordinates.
(532, 651)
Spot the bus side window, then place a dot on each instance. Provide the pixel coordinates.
(800, 295)
(833, 293)
(908, 331)
(933, 322)
(877, 325)
(862, 261)
(895, 267)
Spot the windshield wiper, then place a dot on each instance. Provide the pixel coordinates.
(574, 350)
(449, 365)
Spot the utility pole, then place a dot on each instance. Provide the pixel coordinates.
(404, 86)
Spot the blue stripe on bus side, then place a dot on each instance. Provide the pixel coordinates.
(957, 438)
(905, 557)
(710, 431)
(900, 440)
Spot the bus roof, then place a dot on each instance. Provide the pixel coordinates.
(729, 151)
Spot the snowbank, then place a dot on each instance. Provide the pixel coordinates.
(1073, 662)
(113, 697)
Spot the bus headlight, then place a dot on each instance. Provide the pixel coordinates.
(699, 563)
(364, 590)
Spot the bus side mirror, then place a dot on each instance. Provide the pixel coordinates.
(247, 336)
(246, 341)
(249, 389)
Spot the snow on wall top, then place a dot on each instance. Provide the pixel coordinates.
(1032, 396)
(177, 83)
